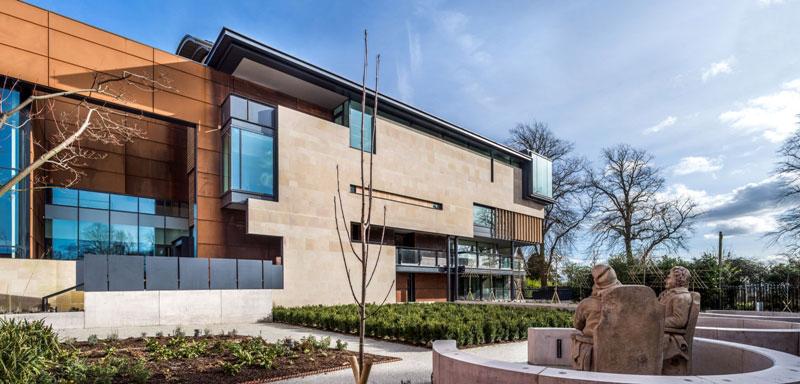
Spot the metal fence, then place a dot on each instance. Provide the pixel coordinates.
(765, 297)
(156, 273)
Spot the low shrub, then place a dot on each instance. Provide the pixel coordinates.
(421, 324)
(27, 350)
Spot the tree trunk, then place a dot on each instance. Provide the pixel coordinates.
(628, 250)
(47, 156)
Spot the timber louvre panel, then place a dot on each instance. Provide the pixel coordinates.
(518, 227)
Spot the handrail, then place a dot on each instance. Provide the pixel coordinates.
(417, 256)
(46, 298)
(420, 249)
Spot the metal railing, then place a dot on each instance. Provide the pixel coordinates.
(488, 261)
(421, 257)
(46, 299)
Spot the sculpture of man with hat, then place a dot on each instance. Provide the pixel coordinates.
(588, 314)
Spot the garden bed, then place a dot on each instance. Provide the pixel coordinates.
(34, 355)
(421, 324)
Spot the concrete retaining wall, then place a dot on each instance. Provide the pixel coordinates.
(142, 308)
(758, 365)
(145, 308)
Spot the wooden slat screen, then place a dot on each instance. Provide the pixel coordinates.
(518, 227)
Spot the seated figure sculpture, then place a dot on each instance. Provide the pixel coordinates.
(681, 309)
(588, 314)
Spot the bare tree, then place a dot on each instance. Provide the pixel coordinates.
(788, 168)
(633, 213)
(573, 199)
(367, 267)
(86, 121)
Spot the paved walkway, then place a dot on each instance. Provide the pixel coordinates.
(415, 366)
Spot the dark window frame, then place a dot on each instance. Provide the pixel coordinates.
(247, 125)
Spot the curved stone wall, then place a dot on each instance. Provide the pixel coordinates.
(773, 316)
(778, 335)
(714, 361)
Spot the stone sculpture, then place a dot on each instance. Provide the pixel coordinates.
(681, 309)
(628, 338)
(588, 314)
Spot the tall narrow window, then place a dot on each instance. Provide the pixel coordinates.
(355, 127)
(13, 204)
(249, 156)
(541, 176)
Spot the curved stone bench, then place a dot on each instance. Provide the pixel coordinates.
(714, 362)
(778, 335)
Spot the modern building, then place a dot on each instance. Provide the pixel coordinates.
(239, 161)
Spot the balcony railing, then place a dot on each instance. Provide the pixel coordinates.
(489, 261)
(421, 257)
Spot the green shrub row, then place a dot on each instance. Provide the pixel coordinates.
(421, 324)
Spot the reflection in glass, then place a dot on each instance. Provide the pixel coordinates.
(62, 196)
(71, 238)
(93, 238)
(147, 241)
(260, 114)
(236, 169)
(483, 216)
(124, 203)
(123, 239)
(238, 107)
(63, 236)
(147, 205)
(89, 199)
(541, 176)
(257, 164)
(355, 127)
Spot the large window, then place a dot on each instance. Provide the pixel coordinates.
(541, 179)
(79, 222)
(248, 161)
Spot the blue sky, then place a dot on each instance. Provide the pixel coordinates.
(710, 88)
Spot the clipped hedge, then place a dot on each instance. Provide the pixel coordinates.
(421, 324)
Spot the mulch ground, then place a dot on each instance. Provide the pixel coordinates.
(208, 369)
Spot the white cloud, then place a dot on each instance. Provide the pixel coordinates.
(667, 122)
(767, 3)
(743, 225)
(750, 209)
(773, 115)
(697, 164)
(722, 67)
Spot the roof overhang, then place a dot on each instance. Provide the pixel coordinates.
(234, 53)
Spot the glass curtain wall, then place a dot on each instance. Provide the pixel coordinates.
(79, 222)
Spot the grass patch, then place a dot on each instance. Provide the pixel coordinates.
(421, 324)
